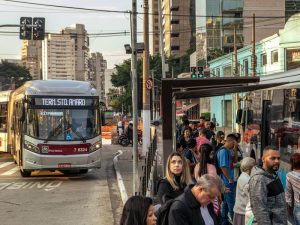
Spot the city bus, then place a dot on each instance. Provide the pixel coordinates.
(272, 117)
(54, 125)
(4, 96)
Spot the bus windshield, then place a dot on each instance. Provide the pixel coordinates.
(62, 124)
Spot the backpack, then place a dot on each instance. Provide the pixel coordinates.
(218, 169)
(163, 213)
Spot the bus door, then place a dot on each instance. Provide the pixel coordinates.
(265, 124)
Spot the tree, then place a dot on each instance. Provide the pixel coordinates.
(181, 64)
(122, 78)
(11, 73)
(215, 53)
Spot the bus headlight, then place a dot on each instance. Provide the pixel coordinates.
(95, 146)
(31, 147)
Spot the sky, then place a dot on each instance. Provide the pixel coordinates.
(112, 48)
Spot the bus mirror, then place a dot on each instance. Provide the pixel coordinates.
(21, 114)
(102, 118)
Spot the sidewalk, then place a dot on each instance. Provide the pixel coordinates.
(125, 163)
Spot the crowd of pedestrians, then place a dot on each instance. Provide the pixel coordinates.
(209, 182)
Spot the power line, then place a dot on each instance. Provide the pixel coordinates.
(141, 13)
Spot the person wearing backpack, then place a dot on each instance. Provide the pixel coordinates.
(177, 178)
(194, 206)
(225, 167)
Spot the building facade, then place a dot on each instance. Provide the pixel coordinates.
(178, 27)
(154, 35)
(58, 57)
(78, 33)
(277, 53)
(97, 67)
(31, 56)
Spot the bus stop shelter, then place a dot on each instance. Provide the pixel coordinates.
(182, 88)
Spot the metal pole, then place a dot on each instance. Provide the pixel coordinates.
(146, 92)
(161, 42)
(235, 71)
(153, 96)
(135, 179)
(253, 48)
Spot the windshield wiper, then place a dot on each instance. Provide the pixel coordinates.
(51, 134)
(80, 136)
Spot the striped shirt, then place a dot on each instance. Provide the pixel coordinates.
(292, 187)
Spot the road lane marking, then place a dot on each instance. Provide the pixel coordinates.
(5, 164)
(10, 172)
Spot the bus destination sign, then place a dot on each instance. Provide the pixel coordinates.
(71, 102)
(63, 102)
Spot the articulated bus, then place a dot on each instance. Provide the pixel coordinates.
(273, 118)
(4, 96)
(54, 125)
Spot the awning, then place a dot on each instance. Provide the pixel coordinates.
(186, 108)
(220, 91)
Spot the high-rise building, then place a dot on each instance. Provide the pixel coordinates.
(78, 33)
(221, 17)
(178, 27)
(264, 27)
(97, 67)
(31, 56)
(154, 34)
(291, 7)
(58, 57)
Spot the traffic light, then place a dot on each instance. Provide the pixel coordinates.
(193, 72)
(200, 72)
(25, 28)
(38, 28)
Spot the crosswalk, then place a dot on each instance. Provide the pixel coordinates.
(8, 169)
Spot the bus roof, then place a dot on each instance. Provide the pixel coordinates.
(57, 87)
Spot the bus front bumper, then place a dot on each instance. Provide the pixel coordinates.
(34, 161)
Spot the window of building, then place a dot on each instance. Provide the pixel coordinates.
(155, 20)
(174, 34)
(217, 74)
(175, 8)
(175, 47)
(274, 56)
(264, 59)
(174, 21)
(246, 67)
(227, 71)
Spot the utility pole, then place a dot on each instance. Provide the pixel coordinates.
(235, 62)
(161, 42)
(134, 98)
(146, 92)
(253, 48)
(153, 96)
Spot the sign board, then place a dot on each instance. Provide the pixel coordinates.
(149, 84)
(63, 101)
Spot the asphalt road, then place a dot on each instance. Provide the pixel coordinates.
(55, 199)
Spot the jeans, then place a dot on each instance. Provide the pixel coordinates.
(296, 213)
(227, 206)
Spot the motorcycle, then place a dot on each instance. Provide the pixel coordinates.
(125, 141)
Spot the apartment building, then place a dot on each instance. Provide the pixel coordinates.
(31, 56)
(178, 27)
(264, 27)
(97, 67)
(58, 57)
(154, 32)
(78, 33)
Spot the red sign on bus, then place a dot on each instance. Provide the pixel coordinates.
(64, 149)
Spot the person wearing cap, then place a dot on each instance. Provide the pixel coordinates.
(242, 191)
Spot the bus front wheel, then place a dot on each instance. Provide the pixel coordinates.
(25, 173)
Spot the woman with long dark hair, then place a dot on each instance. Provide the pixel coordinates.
(206, 163)
(138, 210)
